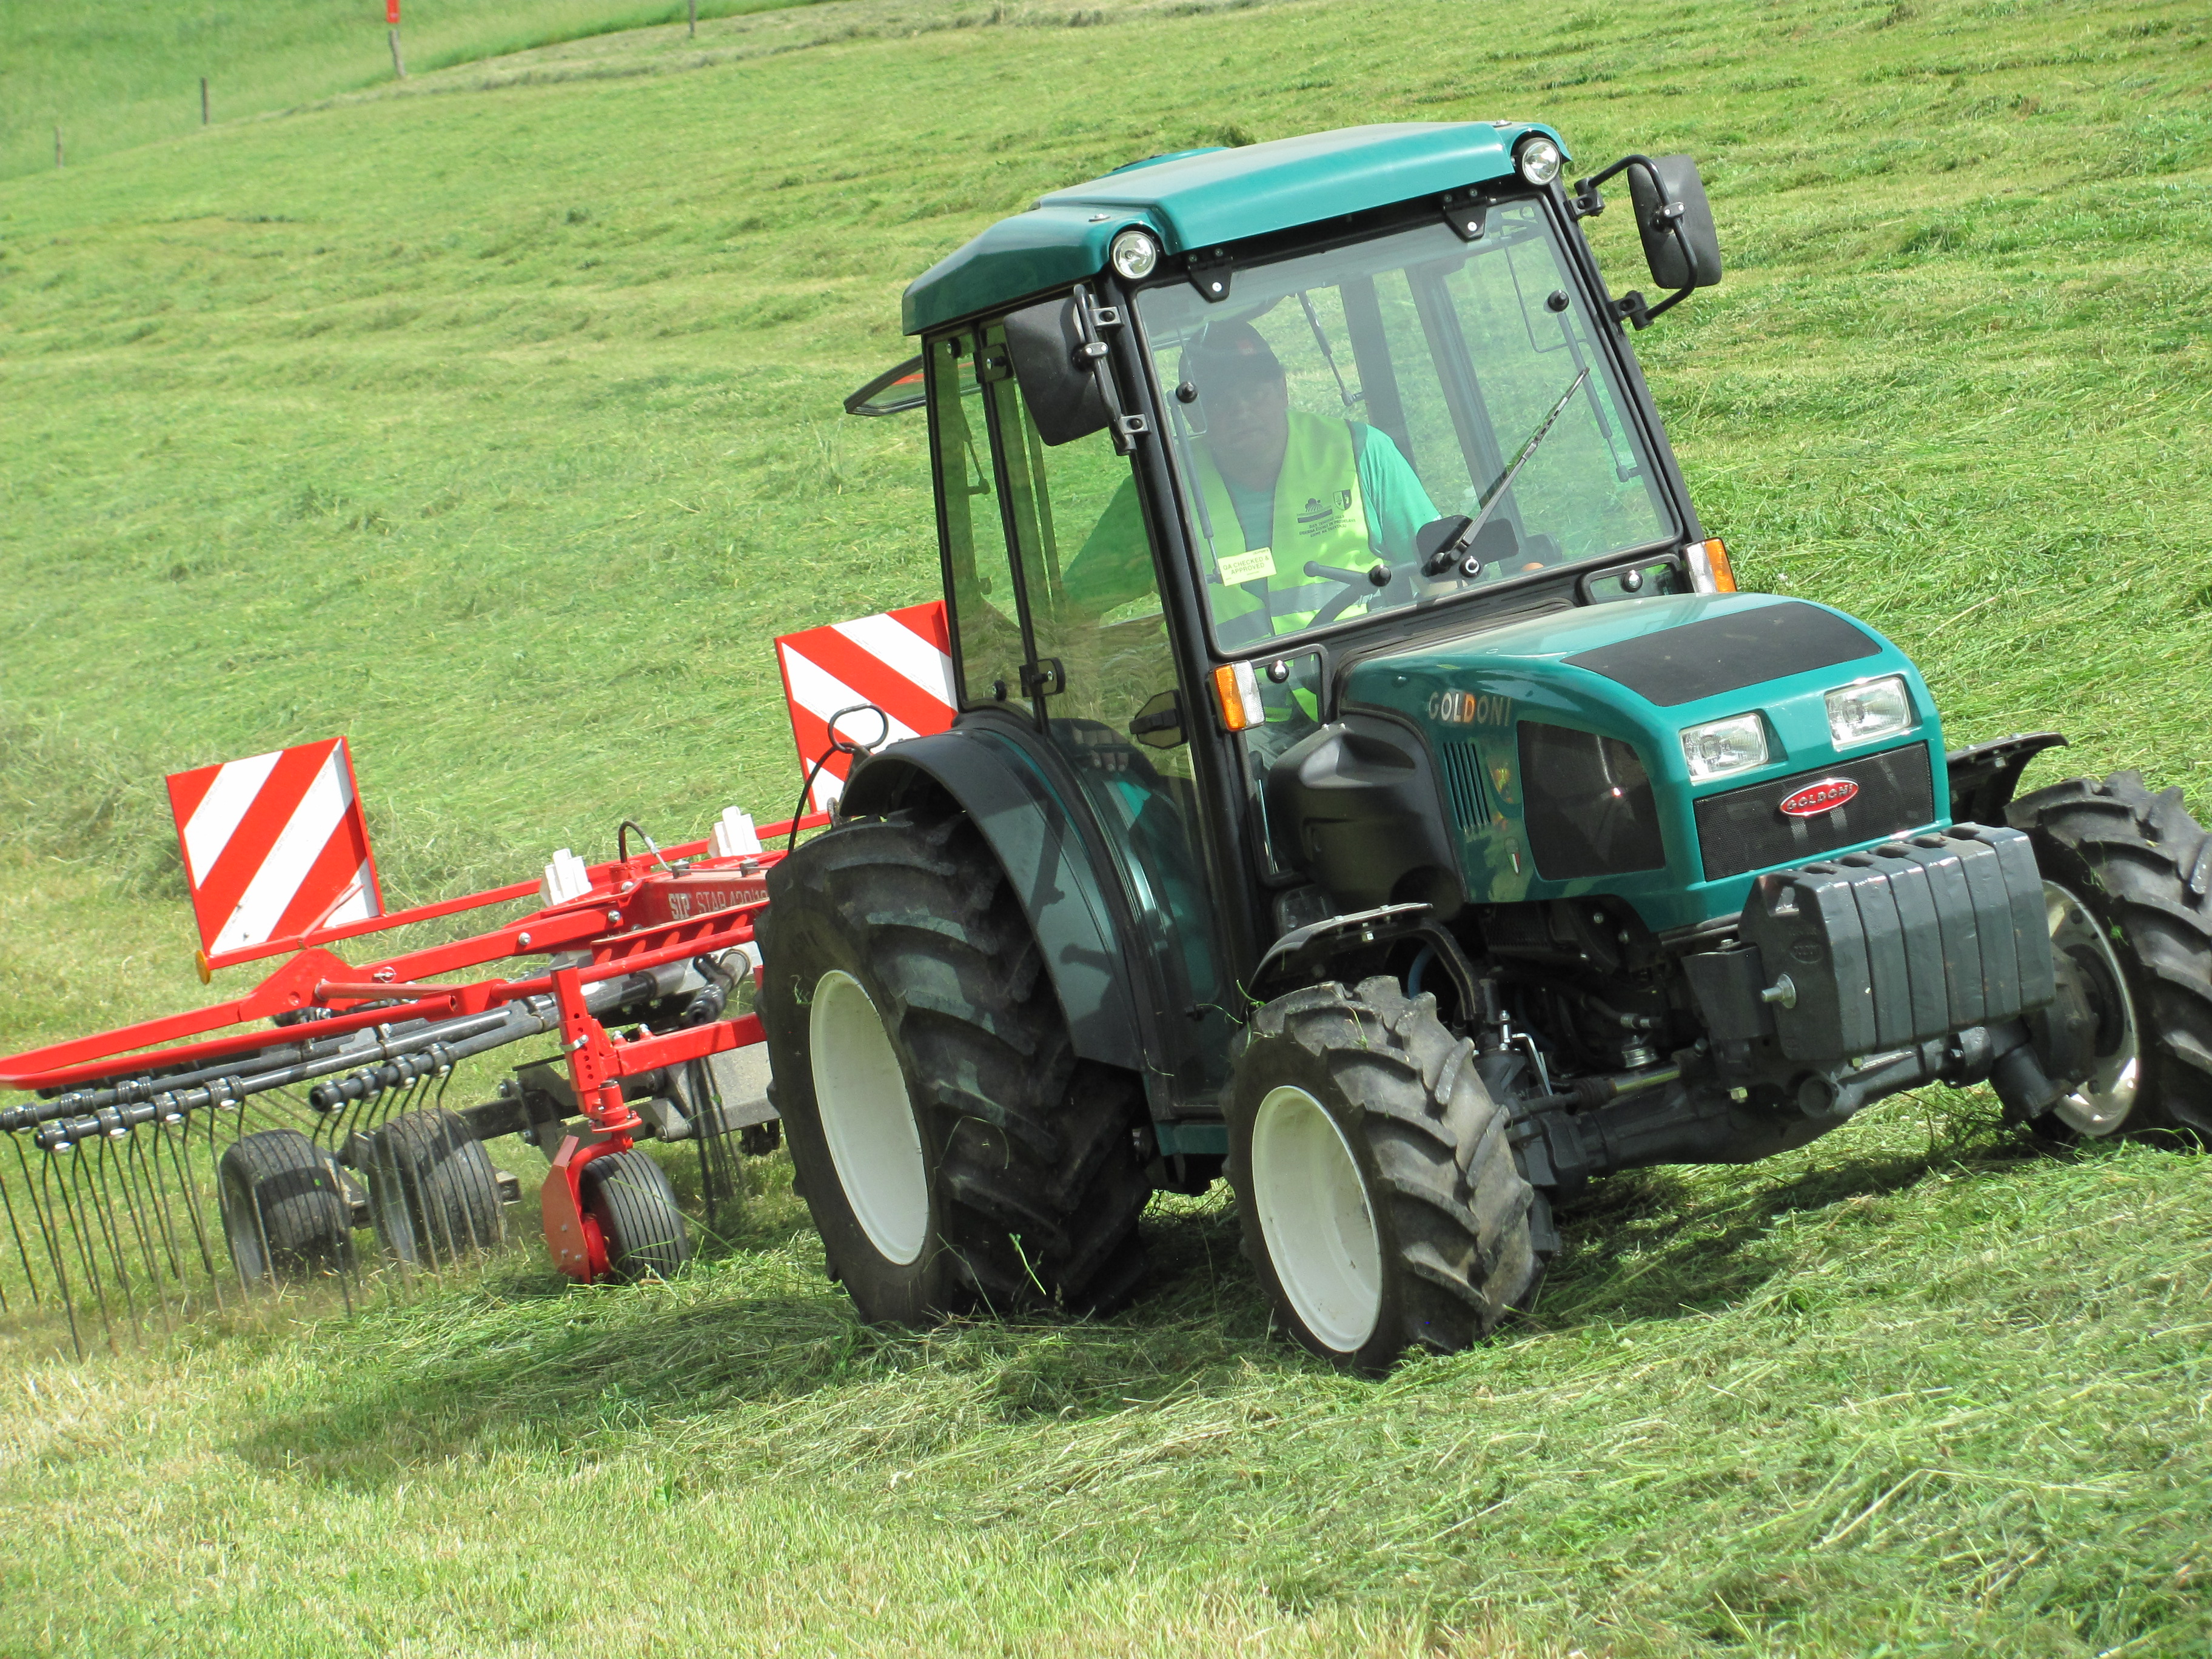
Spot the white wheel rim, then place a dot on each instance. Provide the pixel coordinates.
(2103, 1100)
(867, 1119)
(1315, 1216)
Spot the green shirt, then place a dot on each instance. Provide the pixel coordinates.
(1115, 564)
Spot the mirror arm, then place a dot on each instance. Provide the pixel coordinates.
(1633, 310)
(1588, 204)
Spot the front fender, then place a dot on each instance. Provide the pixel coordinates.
(1038, 846)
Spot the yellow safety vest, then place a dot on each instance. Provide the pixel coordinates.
(1320, 516)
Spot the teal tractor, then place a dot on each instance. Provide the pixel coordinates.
(1370, 786)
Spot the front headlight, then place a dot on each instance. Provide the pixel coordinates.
(1720, 747)
(1538, 159)
(1871, 709)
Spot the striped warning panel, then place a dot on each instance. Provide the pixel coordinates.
(275, 846)
(901, 661)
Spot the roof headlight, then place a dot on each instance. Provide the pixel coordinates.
(1538, 159)
(1871, 709)
(1134, 254)
(1720, 747)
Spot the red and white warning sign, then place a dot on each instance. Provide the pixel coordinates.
(901, 661)
(275, 846)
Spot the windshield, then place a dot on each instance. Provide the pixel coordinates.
(1336, 403)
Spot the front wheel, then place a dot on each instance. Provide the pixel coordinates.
(1381, 1198)
(2128, 895)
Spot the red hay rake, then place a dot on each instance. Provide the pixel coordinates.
(271, 1128)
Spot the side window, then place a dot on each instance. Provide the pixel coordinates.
(1094, 602)
(985, 625)
(1105, 680)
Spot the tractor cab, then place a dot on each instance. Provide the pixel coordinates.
(1213, 428)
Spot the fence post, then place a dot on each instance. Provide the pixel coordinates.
(695, 16)
(204, 101)
(57, 149)
(398, 64)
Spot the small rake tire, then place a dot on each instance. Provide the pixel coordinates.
(1379, 1196)
(2139, 868)
(953, 1151)
(639, 1222)
(284, 1213)
(431, 1190)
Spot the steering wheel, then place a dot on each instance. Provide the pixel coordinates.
(1376, 578)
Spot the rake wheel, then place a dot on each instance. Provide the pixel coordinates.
(432, 1191)
(628, 1195)
(284, 1213)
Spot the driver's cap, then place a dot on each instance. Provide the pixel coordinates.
(1229, 355)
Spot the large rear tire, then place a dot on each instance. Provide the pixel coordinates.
(952, 1149)
(2128, 881)
(283, 1207)
(1381, 1198)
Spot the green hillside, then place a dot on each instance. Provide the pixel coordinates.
(114, 76)
(493, 421)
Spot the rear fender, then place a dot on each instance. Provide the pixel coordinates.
(1039, 848)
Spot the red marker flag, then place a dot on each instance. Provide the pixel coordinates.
(274, 846)
(901, 661)
(392, 12)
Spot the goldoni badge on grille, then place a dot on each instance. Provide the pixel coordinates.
(1814, 799)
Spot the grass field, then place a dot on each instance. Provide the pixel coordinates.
(494, 422)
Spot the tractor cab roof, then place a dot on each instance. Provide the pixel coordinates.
(1204, 199)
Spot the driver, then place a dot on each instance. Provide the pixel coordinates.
(1280, 489)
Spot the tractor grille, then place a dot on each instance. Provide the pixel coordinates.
(1745, 828)
(1462, 768)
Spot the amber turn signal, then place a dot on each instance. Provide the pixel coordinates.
(1237, 689)
(1710, 571)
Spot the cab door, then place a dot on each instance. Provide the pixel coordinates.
(1058, 622)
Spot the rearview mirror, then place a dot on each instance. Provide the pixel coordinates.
(1676, 222)
(1059, 385)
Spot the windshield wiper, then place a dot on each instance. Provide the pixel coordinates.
(1450, 553)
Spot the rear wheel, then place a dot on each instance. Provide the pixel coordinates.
(640, 1225)
(432, 1194)
(2128, 894)
(284, 1212)
(1381, 1197)
(952, 1149)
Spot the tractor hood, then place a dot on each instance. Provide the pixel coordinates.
(1557, 747)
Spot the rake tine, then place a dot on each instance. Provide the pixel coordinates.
(72, 1185)
(476, 1246)
(420, 1215)
(215, 1163)
(345, 1257)
(144, 1209)
(53, 1246)
(180, 1149)
(267, 1253)
(23, 1256)
(128, 1155)
(399, 1242)
(702, 1102)
(149, 1173)
(111, 1230)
